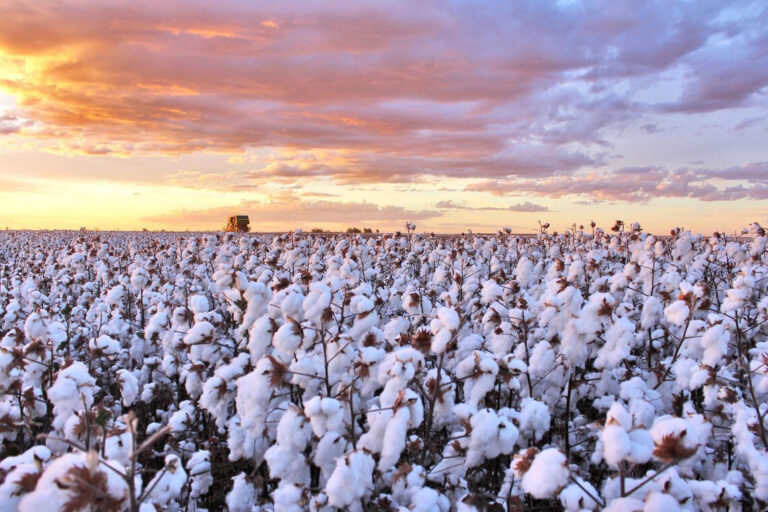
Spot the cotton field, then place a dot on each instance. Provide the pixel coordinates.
(585, 370)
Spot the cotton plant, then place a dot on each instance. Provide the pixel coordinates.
(427, 372)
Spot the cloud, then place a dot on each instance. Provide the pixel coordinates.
(526, 207)
(641, 184)
(492, 89)
(10, 186)
(289, 209)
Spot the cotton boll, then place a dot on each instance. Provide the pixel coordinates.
(443, 327)
(491, 435)
(427, 499)
(624, 505)
(574, 499)
(351, 479)
(257, 297)
(617, 445)
(618, 343)
(524, 271)
(548, 473)
(366, 317)
(483, 370)
(260, 337)
(677, 313)
(12, 490)
(534, 418)
(658, 502)
(199, 467)
(139, 278)
(166, 485)
(115, 295)
(292, 306)
(673, 436)
(395, 328)
(409, 413)
(54, 489)
(316, 302)
(737, 296)
(105, 345)
(129, 386)
(330, 447)
(642, 446)
(288, 497)
(288, 337)
(651, 313)
(491, 291)
(242, 497)
(201, 333)
(285, 458)
(622, 440)
(71, 393)
(715, 343)
(324, 414)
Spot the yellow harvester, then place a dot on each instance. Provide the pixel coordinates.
(238, 224)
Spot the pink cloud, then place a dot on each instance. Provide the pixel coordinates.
(494, 90)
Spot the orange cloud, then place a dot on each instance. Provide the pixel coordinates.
(288, 209)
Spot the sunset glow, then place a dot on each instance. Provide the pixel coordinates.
(463, 115)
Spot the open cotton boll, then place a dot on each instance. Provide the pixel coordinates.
(651, 313)
(547, 474)
(409, 413)
(443, 327)
(199, 304)
(619, 339)
(288, 497)
(534, 418)
(574, 498)
(491, 291)
(115, 295)
(292, 306)
(56, 488)
(35, 327)
(624, 505)
(242, 497)
(715, 343)
(105, 344)
(71, 393)
(157, 324)
(622, 440)
(480, 370)
(523, 271)
(200, 333)
(491, 435)
(129, 386)
(257, 297)
(677, 313)
(139, 278)
(288, 337)
(199, 467)
(427, 499)
(660, 502)
(13, 487)
(316, 302)
(351, 480)
(324, 414)
(678, 438)
(260, 337)
(330, 447)
(736, 297)
(166, 485)
(285, 458)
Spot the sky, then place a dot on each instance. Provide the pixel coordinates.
(454, 115)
